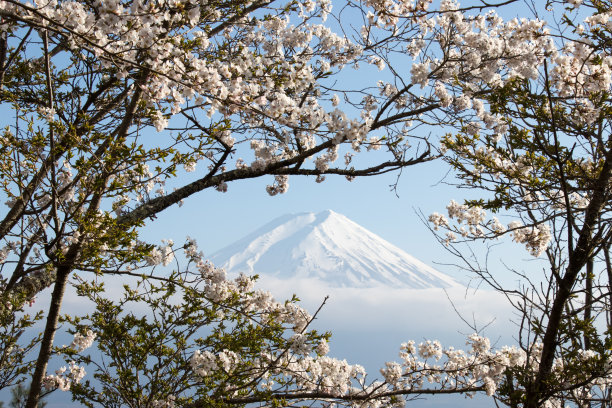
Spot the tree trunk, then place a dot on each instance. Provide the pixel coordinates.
(46, 345)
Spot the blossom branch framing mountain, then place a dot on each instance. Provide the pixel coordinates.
(114, 102)
(550, 170)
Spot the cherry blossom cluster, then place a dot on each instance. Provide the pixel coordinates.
(82, 342)
(535, 238)
(63, 377)
(262, 79)
(206, 363)
(576, 200)
(161, 255)
(6, 250)
(580, 70)
(429, 363)
(169, 403)
(327, 375)
(218, 288)
(487, 52)
(484, 45)
(421, 367)
(280, 186)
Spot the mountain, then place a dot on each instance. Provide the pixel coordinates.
(331, 248)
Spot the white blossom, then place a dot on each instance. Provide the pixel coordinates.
(82, 342)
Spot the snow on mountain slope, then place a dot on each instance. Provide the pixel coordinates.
(331, 248)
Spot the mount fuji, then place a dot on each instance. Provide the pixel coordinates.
(330, 248)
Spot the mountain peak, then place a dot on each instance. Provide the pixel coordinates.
(329, 213)
(329, 247)
(327, 216)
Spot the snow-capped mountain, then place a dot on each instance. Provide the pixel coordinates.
(329, 247)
